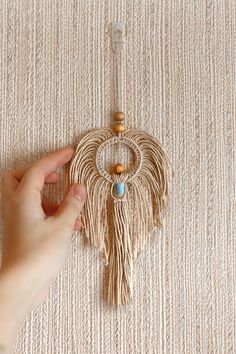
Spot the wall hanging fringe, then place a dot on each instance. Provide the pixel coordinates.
(125, 205)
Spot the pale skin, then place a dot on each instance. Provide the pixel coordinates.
(37, 239)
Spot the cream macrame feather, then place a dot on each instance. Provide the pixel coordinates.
(120, 226)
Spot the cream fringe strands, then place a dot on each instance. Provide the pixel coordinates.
(122, 231)
(123, 206)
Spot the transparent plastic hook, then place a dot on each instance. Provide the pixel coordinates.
(118, 36)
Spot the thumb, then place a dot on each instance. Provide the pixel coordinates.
(71, 206)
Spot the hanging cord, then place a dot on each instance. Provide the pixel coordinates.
(118, 45)
(119, 78)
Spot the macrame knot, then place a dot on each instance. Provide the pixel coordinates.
(121, 200)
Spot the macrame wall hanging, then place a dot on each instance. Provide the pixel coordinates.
(126, 202)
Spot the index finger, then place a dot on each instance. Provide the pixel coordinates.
(35, 176)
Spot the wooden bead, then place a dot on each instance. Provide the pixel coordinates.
(119, 116)
(119, 127)
(119, 168)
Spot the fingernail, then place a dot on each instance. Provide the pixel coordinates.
(79, 192)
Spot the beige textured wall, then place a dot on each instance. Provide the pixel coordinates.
(56, 82)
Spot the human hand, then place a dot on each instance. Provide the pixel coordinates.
(37, 238)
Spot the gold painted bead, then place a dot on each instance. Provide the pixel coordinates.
(119, 127)
(119, 168)
(119, 116)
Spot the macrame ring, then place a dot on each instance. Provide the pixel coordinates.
(115, 140)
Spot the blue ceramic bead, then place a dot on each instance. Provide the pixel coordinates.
(120, 189)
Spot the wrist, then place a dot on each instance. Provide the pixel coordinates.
(12, 310)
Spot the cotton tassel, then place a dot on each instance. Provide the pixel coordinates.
(120, 261)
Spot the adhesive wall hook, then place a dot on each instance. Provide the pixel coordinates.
(118, 36)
